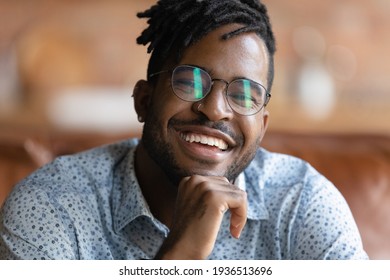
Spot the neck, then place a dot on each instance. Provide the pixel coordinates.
(157, 189)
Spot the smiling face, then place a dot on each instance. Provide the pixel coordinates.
(206, 137)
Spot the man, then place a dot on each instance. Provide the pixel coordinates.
(197, 185)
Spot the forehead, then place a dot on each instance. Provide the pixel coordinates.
(244, 55)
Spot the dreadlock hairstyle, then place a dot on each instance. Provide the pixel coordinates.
(174, 25)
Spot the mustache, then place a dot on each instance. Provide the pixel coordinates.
(202, 121)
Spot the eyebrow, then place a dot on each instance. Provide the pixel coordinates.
(210, 72)
(203, 68)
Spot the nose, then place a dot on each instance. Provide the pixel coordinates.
(215, 106)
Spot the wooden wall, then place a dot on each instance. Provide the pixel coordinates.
(48, 47)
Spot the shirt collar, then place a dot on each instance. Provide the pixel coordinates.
(128, 200)
(251, 180)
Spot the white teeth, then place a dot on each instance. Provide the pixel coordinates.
(203, 139)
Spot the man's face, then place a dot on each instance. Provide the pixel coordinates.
(173, 127)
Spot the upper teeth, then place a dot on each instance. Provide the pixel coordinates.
(203, 139)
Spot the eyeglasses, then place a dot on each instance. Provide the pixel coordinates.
(192, 84)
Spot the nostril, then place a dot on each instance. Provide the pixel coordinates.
(198, 107)
(214, 107)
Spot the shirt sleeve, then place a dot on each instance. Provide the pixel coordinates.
(31, 227)
(325, 227)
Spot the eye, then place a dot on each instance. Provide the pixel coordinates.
(190, 83)
(244, 93)
(243, 100)
(185, 86)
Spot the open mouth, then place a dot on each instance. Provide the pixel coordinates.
(205, 140)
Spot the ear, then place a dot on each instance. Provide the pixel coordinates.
(142, 96)
(265, 122)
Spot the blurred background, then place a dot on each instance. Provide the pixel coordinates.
(71, 65)
(68, 67)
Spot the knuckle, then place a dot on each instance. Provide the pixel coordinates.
(239, 194)
(208, 193)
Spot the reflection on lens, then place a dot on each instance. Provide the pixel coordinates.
(198, 88)
(247, 94)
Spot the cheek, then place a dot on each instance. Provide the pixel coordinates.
(165, 105)
(161, 100)
(253, 130)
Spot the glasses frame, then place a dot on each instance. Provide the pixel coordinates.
(267, 94)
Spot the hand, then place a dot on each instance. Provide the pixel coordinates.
(200, 206)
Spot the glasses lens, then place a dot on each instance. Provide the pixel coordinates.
(190, 83)
(246, 97)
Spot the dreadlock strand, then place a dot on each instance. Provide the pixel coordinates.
(174, 25)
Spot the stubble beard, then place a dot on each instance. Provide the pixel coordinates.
(161, 152)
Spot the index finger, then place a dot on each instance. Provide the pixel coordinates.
(238, 217)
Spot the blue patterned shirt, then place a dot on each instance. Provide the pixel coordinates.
(90, 206)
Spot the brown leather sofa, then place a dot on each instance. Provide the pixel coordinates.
(359, 165)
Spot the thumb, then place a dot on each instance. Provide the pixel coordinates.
(237, 221)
